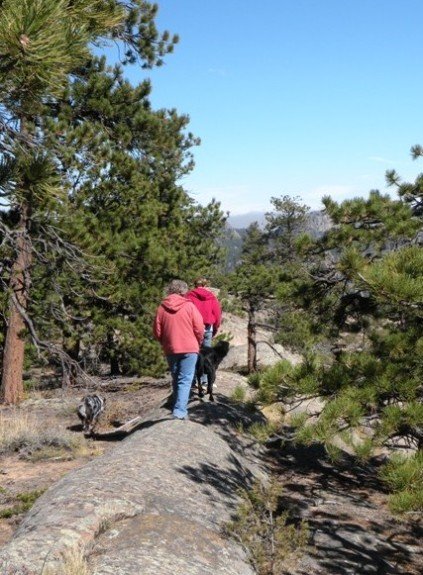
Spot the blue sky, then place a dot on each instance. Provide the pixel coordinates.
(298, 97)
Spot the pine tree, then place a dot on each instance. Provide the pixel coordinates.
(122, 161)
(269, 272)
(253, 281)
(288, 242)
(370, 280)
(284, 226)
(44, 44)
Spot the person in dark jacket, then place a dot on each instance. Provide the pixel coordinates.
(209, 307)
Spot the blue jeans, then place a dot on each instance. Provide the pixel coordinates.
(208, 336)
(182, 368)
(207, 342)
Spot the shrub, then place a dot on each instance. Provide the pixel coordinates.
(26, 501)
(262, 431)
(239, 394)
(264, 529)
(404, 476)
(272, 381)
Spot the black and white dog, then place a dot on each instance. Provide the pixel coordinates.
(208, 361)
(89, 410)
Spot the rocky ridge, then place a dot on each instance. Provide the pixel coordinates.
(155, 503)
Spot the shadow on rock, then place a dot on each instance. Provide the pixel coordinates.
(342, 504)
(227, 482)
(227, 418)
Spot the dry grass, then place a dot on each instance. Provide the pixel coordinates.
(16, 429)
(115, 411)
(21, 431)
(74, 563)
(262, 527)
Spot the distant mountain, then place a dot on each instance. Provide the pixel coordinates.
(242, 221)
(316, 225)
(317, 221)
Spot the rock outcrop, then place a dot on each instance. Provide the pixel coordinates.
(268, 352)
(154, 504)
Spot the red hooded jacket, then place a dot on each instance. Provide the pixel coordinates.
(207, 304)
(178, 325)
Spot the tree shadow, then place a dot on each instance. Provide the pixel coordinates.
(348, 548)
(340, 503)
(312, 460)
(228, 419)
(228, 481)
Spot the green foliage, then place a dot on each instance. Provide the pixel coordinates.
(397, 278)
(262, 431)
(254, 379)
(284, 380)
(262, 527)
(372, 220)
(231, 305)
(239, 394)
(26, 501)
(402, 420)
(252, 284)
(107, 221)
(367, 280)
(298, 331)
(404, 476)
(284, 228)
(364, 450)
(273, 381)
(253, 279)
(133, 216)
(42, 41)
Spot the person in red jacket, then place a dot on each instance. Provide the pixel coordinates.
(209, 307)
(179, 328)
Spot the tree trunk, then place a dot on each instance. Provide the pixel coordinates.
(252, 340)
(14, 348)
(114, 366)
(113, 354)
(71, 346)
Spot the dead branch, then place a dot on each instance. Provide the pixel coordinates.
(53, 350)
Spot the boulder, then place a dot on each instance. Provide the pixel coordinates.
(267, 354)
(154, 504)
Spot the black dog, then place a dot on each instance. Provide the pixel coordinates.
(208, 361)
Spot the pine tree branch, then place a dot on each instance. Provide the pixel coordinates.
(389, 296)
(270, 345)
